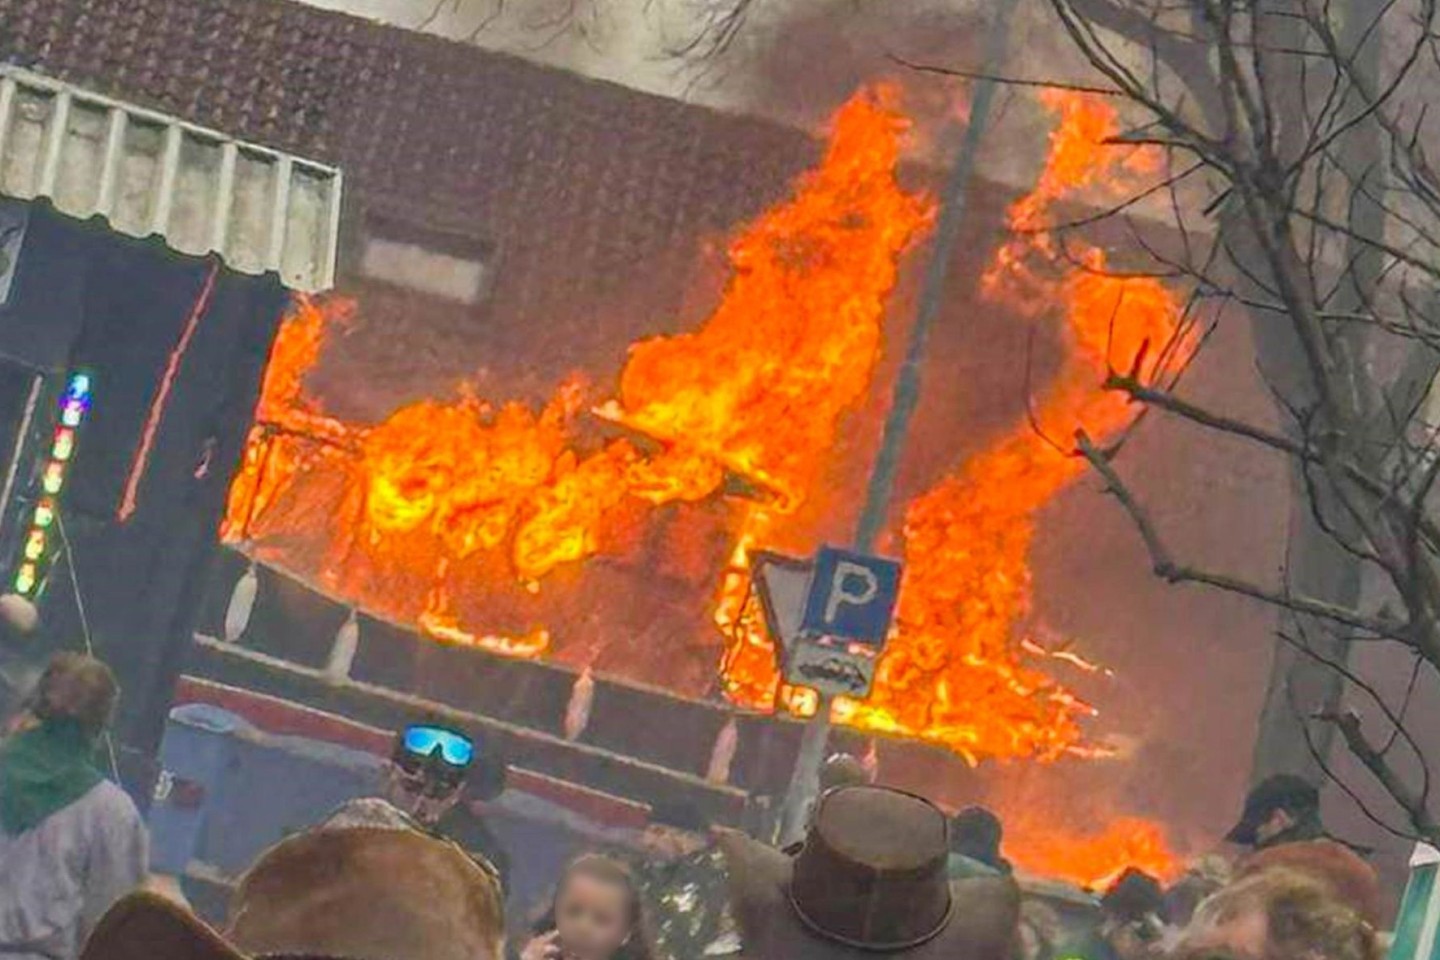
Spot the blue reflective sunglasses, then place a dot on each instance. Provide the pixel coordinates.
(455, 748)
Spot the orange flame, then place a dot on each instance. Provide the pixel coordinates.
(761, 386)
(959, 661)
(755, 393)
(1094, 860)
(958, 668)
(442, 498)
(286, 415)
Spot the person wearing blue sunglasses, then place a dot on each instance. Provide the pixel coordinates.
(438, 777)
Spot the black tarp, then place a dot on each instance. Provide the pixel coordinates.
(127, 304)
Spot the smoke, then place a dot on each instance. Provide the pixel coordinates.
(793, 61)
(797, 60)
(806, 58)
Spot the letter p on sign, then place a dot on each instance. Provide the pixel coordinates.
(852, 597)
(852, 584)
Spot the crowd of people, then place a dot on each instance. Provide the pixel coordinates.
(415, 873)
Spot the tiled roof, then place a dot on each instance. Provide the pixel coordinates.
(597, 199)
(261, 71)
(154, 175)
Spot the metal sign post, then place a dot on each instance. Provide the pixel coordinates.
(848, 609)
(804, 780)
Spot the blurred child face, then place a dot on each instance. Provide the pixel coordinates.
(22, 721)
(592, 917)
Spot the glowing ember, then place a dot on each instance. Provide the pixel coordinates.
(1095, 860)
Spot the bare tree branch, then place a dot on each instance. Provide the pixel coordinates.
(1410, 800)
(1165, 567)
(1006, 81)
(1324, 207)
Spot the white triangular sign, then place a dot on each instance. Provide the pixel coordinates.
(783, 584)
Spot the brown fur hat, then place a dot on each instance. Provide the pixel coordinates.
(1352, 880)
(358, 893)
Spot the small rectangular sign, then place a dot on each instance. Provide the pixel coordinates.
(830, 668)
(852, 597)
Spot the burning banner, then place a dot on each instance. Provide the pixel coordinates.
(448, 499)
(445, 499)
(753, 397)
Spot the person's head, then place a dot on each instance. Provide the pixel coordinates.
(870, 879)
(1278, 915)
(842, 770)
(18, 618)
(428, 768)
(598, 912)
(1133, 914)
(976, 833)
(75, 688)
(676, 829)
(1278, 808)
(376, 889)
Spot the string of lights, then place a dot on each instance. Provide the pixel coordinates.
(39, 549)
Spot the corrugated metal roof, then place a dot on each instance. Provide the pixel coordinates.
(149, 174)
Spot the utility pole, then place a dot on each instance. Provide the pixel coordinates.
(804, 781)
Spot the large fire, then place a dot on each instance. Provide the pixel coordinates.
(444, 499)
(755, 394)
(958, 668)
(967, 541)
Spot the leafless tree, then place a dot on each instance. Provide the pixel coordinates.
(1302, 194)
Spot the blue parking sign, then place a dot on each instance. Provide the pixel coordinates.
(852, 596)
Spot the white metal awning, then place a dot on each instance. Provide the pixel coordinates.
(149, 174)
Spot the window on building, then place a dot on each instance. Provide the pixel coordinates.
(450, 266)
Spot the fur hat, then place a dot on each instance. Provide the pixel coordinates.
(357, 893)
(1349, 877)
(870, 877)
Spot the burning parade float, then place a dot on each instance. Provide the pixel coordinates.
(516, 530)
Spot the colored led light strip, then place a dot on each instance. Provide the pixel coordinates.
(74, 405)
